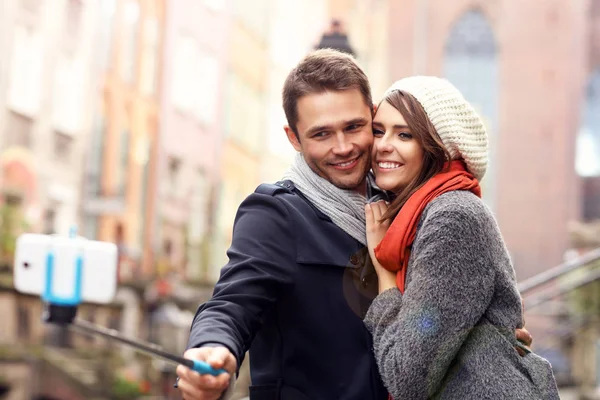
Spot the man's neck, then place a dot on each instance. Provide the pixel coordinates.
(362, 188)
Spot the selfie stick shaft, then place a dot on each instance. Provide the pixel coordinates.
(150, 348)
(62, 310)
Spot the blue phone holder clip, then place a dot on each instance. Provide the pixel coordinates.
(62, 309)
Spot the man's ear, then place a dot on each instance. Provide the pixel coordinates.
(374, 109)
(291, 135)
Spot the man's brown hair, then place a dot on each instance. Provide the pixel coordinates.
(321, 71)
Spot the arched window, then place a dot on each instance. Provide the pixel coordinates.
(471, 64)
(588, 141)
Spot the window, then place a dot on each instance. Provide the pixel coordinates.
(31, 5)
(149, 68)
(588, 140)
(215, 5)
(68, 96)
(142, 159)
(13, 199)
(595, 9)
(254, 16)
(90, 227)
(23, 323)
(49, 221)
(18, 130)
(106, 27)
(131, 17)
(96, 156)
(73, 18)
(207, 74)
(25, 75)
(63, 145)
(195, 79)
(198, 222)
(471, 64)
(123, 163)
(244, 114)
(174, 173)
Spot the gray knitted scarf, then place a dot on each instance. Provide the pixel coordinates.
(346, 208)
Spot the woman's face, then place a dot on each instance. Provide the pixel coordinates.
(397, 156)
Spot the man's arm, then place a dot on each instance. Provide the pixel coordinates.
(260, 269)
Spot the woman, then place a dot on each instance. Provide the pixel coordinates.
(444, 320)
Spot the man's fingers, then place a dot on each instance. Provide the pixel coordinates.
(196, 386)
(189, 391)
(524, 337)
(221, 357)
(198, 354)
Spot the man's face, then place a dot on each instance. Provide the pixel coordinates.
(335, 136)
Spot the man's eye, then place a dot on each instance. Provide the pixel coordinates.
(319, 134)
(353, 127)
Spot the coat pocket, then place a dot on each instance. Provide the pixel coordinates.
(264, 392)
(275, 392)
(542, 376)
(539, 369)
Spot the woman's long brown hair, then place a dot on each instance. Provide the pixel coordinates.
(435, 154)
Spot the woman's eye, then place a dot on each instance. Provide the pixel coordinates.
(405, 135)
(377, 132)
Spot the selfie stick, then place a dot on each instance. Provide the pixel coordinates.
(62, 311)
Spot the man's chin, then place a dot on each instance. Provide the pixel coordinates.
(348, 183)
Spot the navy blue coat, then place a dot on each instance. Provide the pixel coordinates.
(294, 292)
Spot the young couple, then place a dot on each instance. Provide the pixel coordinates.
(350, 285)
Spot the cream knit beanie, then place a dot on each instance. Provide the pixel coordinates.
(455, 120)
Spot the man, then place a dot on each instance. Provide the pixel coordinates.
(299, 279)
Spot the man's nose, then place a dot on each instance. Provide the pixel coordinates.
(343, 146)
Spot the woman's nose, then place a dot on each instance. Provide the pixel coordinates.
(383, 144)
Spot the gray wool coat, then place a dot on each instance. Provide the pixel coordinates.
(451, 334)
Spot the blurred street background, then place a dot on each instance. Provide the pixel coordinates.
(147, 122)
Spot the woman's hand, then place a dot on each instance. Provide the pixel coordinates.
(376, 229)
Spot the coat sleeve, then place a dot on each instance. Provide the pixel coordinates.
(417, 335)
(260, 268)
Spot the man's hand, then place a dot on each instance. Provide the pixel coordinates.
(194, 386)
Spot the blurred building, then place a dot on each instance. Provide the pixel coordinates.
(191, 128)
(367, 25)
(267, 38)
(244, 130)
(295, 28)
(45, 75)
(523, 65)
(122, 151)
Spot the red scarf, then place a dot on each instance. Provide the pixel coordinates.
(394, 250)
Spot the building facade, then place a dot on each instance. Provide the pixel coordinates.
(122, 153)
(267, 39)
(530, 101)
(45, 74)
(191, 129)
(244, 104)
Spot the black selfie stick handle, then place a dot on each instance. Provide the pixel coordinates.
(150, 348)
(59, 314)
